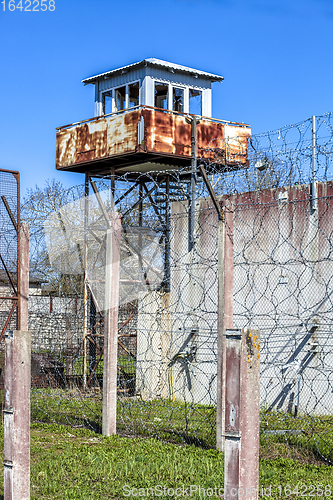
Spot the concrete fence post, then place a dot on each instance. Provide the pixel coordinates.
(17, 388)
(225, 314)
(242, 399)
(23, 275)
(111, 325)
(250, 412)
(233, 354)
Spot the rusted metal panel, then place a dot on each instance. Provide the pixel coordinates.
(165, 133)
(211, 140)
(66, 147)
(236, 143)
(91, 141)
(123, 133)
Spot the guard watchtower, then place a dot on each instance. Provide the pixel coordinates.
(150, 139)
(154, 83)
(143, 122)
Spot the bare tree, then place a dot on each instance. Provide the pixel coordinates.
(38, 204)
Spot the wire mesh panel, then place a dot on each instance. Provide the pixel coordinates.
(283, 287)
(9, 222)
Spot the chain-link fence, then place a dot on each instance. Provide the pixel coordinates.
(167, 339)
(9, 222)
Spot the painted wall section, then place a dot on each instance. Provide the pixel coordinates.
(283, 270)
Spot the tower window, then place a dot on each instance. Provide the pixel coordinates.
(178, 99)
(161, 95)
(120, 98)
(107, 103)
(133, 95)
(195, 102)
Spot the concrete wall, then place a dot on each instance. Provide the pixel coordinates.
(55, 323)
(283, 276)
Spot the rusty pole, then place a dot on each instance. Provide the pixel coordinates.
(17, 390)
(225, 314)
(111, 325)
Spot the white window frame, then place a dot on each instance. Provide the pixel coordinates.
(102, 92)
(185, 88)
(163, 82)
(127, 92)
(194, 87)
(171, 85)
(113, 89)
(114, 96)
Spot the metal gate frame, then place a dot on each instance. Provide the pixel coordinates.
(15, 297)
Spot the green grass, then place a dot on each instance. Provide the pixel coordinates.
(181, 423)
(171, 421)
(311, 434)
(77, 464)
(126, 363)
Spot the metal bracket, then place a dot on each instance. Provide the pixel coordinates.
(8, 463)
(233, 334)
(232, 435)
(9, 410)
(9, 334)
(211, 192)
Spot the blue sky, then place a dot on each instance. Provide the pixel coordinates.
(276, 58)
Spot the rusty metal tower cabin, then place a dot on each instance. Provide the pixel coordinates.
(143, 115)
(153, 117)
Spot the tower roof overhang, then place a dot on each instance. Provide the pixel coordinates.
(172, 67)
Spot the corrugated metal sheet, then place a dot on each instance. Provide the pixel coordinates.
(119, 79)
(154, 62)
(163, 74)
(166, 135)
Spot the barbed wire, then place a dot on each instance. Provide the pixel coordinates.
(167, 342)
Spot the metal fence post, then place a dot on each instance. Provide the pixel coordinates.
(17, 389)
(314, 201)
(225, 315)
(111, 325)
